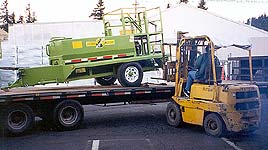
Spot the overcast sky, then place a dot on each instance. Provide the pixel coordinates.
(79, 10)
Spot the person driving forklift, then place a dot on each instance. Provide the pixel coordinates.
(199, 72)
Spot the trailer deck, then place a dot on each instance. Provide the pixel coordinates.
(88, 94)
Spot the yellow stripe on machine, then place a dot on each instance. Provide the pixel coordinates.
(104, 42)
(91, 43)
(109, 42)
(77, 44)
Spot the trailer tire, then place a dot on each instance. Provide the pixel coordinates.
(214, 125)
(130, 74)
(173, 114)
(68, 115)
(109, 80)
(17, 119)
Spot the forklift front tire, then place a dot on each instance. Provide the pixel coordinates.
(173, 114)
(214, 125)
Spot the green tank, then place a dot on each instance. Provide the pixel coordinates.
(63, 51)
(132, 44)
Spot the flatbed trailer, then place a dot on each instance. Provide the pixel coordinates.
(62, 106)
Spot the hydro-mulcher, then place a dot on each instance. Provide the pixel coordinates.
(132, 44)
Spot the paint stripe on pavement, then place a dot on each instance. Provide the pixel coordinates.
(95, 144)
(231, 144)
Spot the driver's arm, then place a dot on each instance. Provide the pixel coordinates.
(198, 62)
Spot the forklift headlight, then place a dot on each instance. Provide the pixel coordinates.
(234, 94)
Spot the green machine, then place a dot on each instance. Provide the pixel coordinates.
(132, 44)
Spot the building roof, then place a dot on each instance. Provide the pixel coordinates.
(197, 21)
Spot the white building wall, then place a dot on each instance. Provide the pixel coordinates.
(259, 46)
(26, 43)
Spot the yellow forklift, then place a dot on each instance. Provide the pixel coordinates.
(219, 106)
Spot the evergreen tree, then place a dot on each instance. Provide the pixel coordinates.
(5, 18)
(261, 22)
(98, 11)
(13, 18)
(34, 17)
(202, 5)
(184, 1)
(30, 17)
(168, 5)
(28, 14)
(21, 19)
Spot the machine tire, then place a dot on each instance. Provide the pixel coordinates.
(68, 115)
(17, 119)
(130, 74)
(109, 80)
(173, 114)
(214, 125)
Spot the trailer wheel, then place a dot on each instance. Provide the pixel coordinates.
(214, 125)
(17, 119)
(68, 115)
(173, 114)
(109, 80)
(130, 74)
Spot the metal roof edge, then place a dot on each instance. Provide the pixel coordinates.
(218, 16)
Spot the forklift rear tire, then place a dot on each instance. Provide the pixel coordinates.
(17, 119)
(68, 115)
(109, 80)
(173, 114)
(130, 74)
(214, 125)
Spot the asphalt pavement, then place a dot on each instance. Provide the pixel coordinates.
(133, 127)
